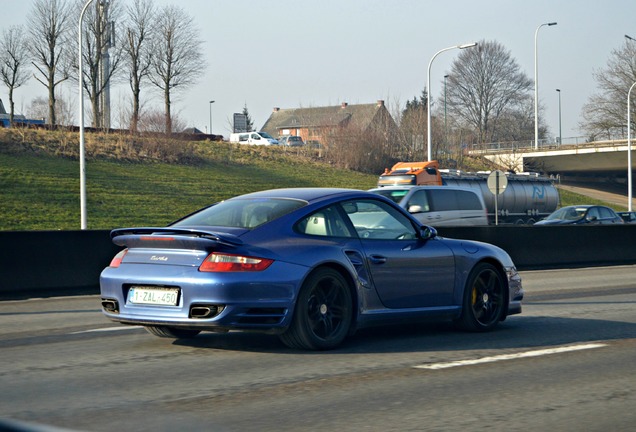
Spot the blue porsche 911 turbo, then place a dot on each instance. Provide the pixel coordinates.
(310, 264)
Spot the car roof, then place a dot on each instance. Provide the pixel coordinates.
(305, 194)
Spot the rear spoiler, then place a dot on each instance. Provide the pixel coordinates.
(171, 238)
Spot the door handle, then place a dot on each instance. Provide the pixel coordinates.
(377, 259)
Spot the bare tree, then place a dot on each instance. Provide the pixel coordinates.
(49, 25)
(412, 129)
(483, 85)
(605, 112)
(14, 57)
(38, 108)
(101, 56)
(137, 48)
(64, 109)
(177, 60)
(154, 121)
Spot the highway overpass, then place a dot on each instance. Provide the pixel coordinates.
(588, 162)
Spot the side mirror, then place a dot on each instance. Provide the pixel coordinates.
(415, 209)
(427, 232)
(350, 207)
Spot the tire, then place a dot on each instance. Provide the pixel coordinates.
(323, 312)
(484, 299)
(172, 332)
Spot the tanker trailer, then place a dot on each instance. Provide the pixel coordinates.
(526, 199)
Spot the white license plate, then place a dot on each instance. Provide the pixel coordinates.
(153, 296)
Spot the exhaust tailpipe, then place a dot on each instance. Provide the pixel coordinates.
(202, 312)
(110, 305)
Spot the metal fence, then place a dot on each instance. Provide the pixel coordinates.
(543, 145)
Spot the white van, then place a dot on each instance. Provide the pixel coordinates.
(253, 138)
(439, 205)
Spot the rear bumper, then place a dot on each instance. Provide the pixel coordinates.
(260, 301)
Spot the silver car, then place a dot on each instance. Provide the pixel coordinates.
(439, 206)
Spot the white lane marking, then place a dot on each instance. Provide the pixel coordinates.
(491, 359)
(107, 329)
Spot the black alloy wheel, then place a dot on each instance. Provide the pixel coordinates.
(323, 312)
(484, 299)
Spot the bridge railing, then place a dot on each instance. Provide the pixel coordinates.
(545, 144)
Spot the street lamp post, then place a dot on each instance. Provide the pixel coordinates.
(560, 136)
(536, 86)
(211, 102)
(629, 143)
(83, 218)
(629, 149)
(428, 94)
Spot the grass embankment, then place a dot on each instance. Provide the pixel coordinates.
(128, 185)
(572, 198)
(129, 182)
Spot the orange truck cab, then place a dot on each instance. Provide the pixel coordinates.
(411, 173)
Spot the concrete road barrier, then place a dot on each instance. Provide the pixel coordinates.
(49, 263)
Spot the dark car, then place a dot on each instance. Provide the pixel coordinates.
(311, 265)
(628, 216)
(291, 141)
(582, 214)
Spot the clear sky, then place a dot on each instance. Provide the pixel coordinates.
(302, 53)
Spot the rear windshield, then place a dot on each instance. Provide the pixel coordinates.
(242, 213)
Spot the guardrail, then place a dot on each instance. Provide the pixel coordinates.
(50, 263)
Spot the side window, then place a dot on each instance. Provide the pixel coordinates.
(592, 213)
(378, 221)
(418, 203)
(443, 200)
(243, 137)
(468, 201)
(605, 213)
(327, 222)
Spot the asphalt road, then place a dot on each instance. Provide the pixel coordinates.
(565, 364)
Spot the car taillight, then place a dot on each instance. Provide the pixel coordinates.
(220, 262)
(116, 261)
